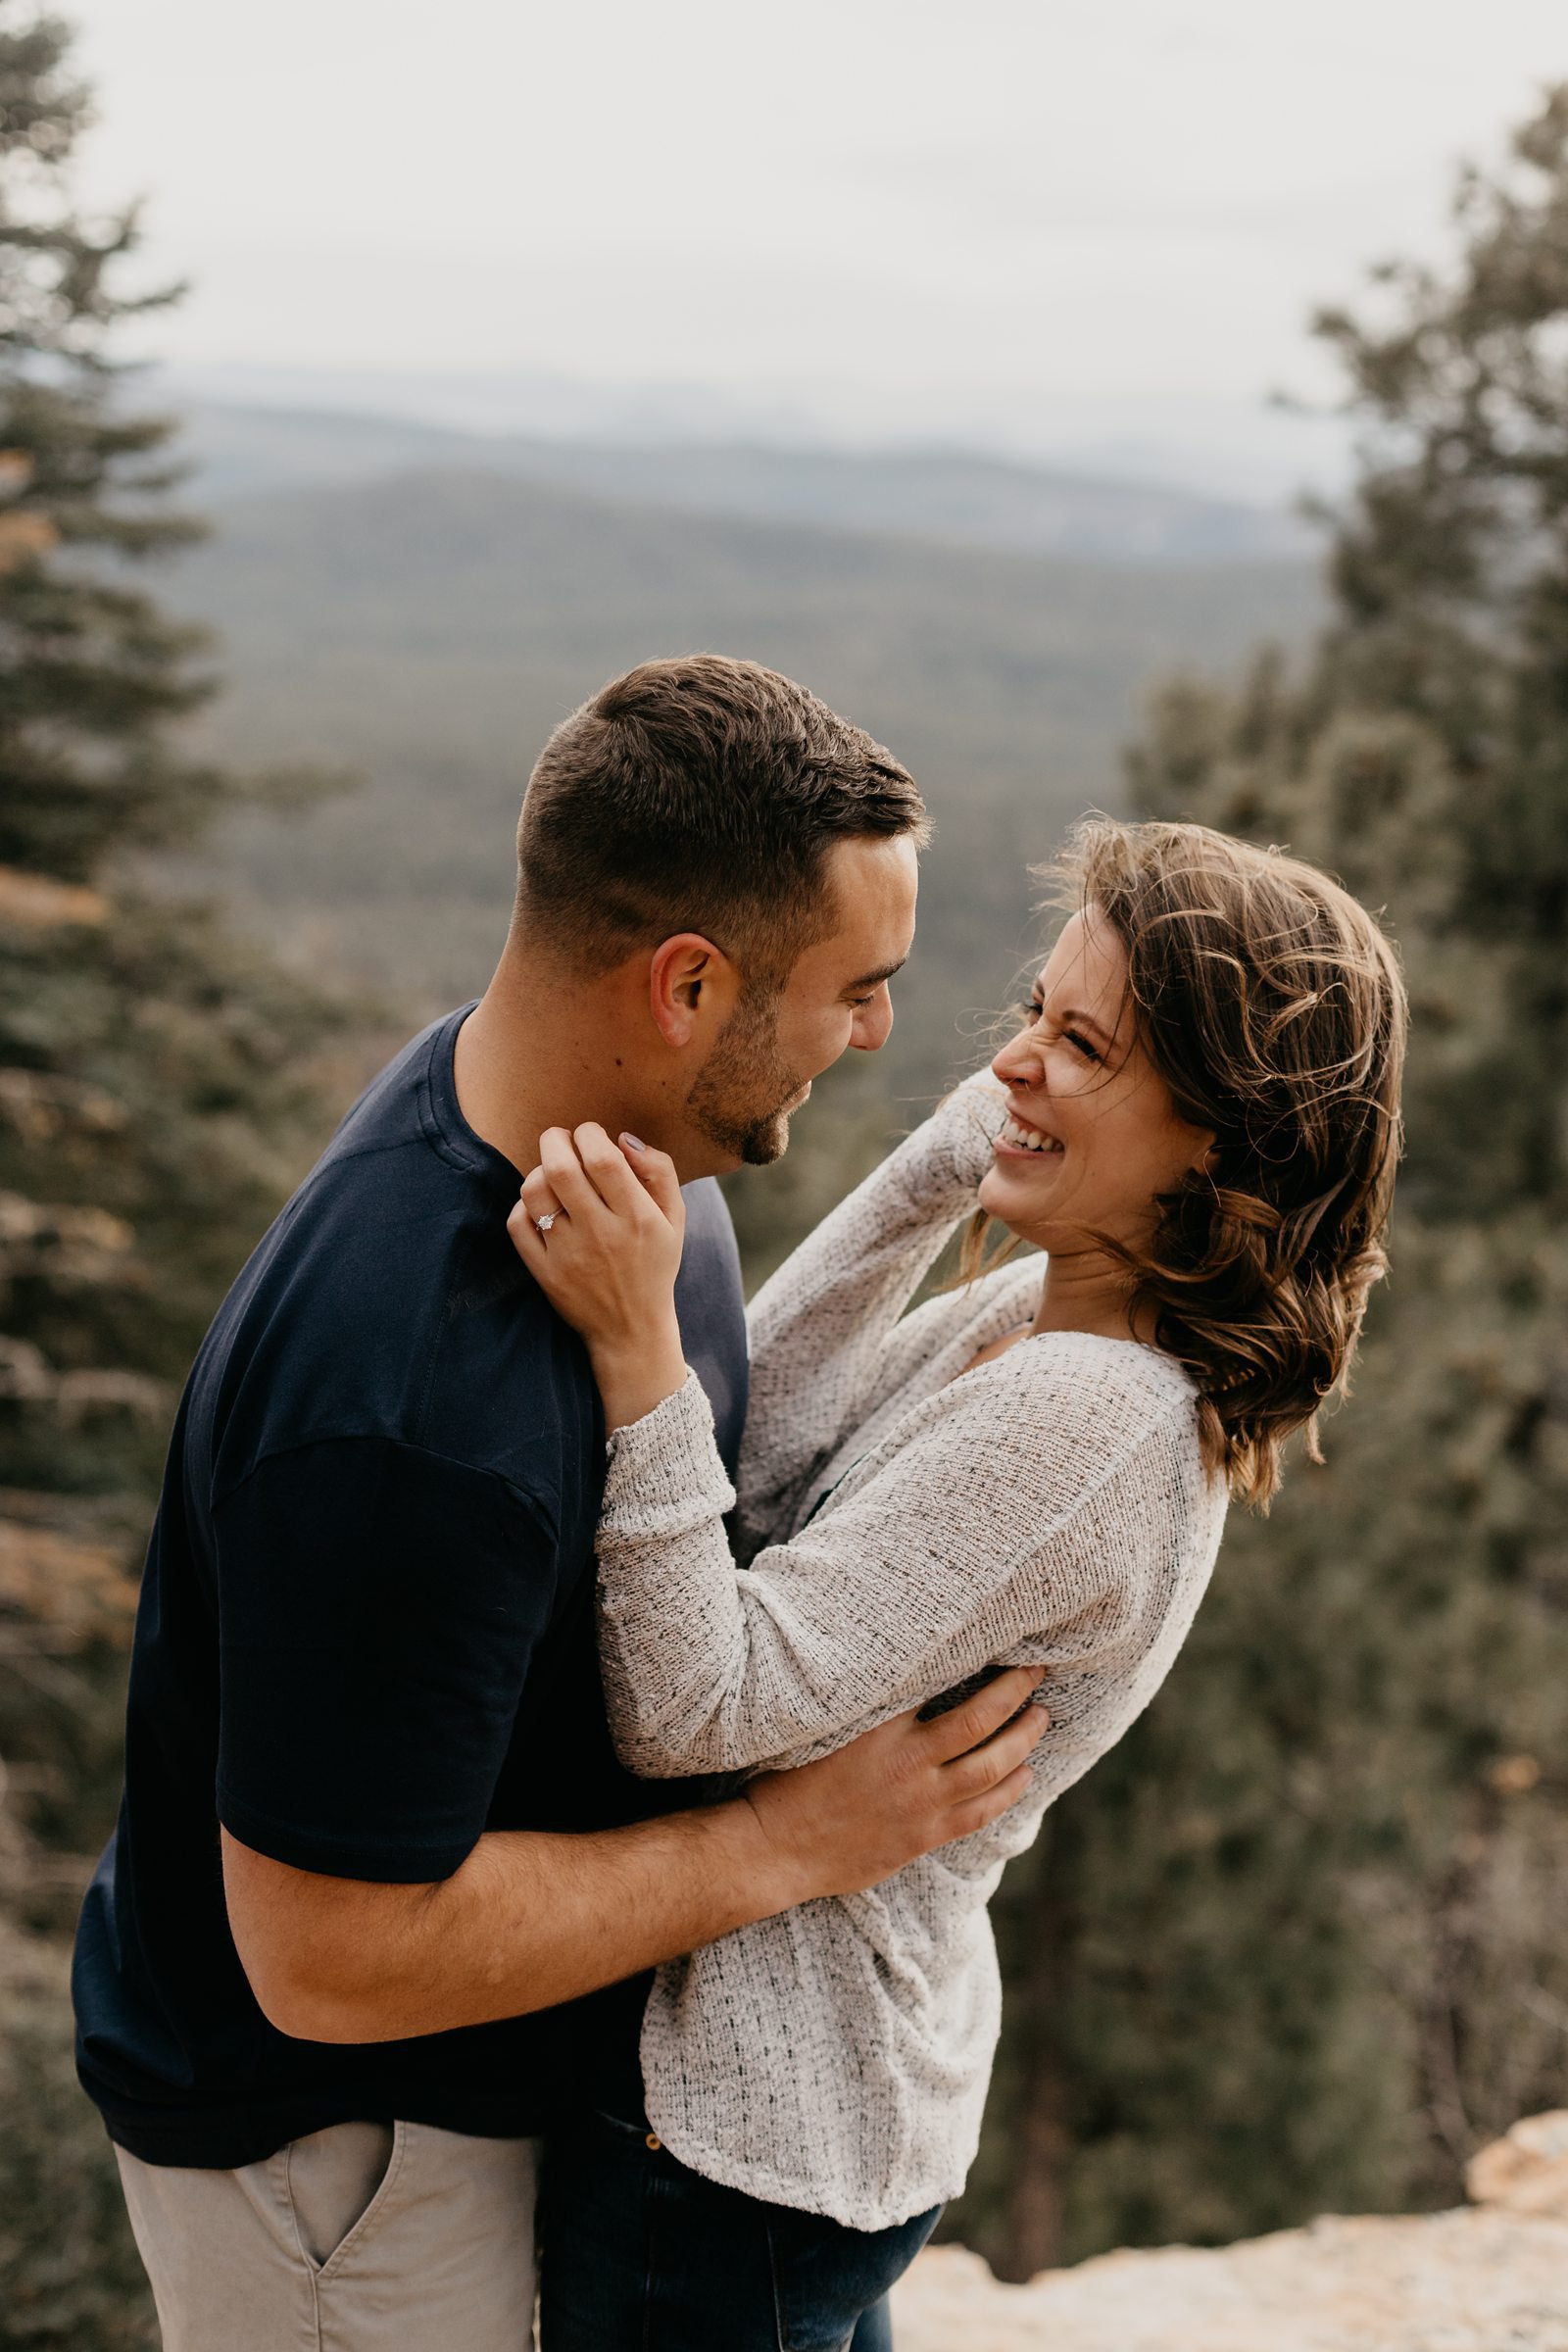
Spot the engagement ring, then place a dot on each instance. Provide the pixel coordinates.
(543, 1224)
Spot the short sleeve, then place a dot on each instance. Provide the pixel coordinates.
(379, 1609)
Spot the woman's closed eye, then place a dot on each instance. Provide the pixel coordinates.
(1034, 1011)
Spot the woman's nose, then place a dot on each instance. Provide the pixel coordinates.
(1016, 1064)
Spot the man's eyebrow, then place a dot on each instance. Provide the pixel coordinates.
(874, 979)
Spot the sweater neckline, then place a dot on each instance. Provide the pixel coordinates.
(987, 1309)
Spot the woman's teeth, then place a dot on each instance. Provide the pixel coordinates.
(1027, 1139)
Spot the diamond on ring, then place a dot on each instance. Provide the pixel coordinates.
(543, 1224)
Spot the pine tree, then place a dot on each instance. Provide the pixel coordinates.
(1300, 1943)
(155, 1099)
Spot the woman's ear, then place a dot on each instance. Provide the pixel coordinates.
(692, 989)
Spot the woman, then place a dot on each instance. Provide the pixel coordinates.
(1198, 1122)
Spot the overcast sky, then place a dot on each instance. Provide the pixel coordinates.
(895, 217)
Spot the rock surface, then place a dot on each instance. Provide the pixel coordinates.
(1527, 2171)
(1487, 2280)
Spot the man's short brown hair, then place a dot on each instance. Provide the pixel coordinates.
(699, 794)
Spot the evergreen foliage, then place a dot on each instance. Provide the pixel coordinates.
(155, 1099)
(1300, 1943)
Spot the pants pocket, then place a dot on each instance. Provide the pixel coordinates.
(333, 2180)
(825, 2277)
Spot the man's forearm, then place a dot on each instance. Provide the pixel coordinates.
(532, 1919)
(528, 1920)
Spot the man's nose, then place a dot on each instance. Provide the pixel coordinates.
(873, 1023)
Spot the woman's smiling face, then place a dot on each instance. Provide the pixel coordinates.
(1092, 1135)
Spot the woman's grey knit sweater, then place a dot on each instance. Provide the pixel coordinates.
(904, 1528)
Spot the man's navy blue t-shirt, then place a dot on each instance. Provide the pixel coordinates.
(366, 1632)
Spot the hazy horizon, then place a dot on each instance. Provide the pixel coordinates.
(1059, 233)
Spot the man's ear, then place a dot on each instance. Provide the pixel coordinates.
(692, 989)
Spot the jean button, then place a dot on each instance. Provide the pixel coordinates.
(654, 2141)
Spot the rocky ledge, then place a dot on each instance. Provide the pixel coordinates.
(1491, 2277)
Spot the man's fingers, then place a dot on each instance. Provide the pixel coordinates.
(984, 1712)
(978, 1811)
(999, 1756)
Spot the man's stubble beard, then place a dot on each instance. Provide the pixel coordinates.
(738, 1096)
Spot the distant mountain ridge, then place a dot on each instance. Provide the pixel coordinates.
(430, 628)
(1226, 446)
(954, 496)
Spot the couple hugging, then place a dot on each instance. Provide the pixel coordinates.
(563, 1792)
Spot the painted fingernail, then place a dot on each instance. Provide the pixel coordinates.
(634, 1142)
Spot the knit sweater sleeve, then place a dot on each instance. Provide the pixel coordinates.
(823, 1329)
(1010, 1520)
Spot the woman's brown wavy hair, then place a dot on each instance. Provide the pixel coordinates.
(1272, 1006)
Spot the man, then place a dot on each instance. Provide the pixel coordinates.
(373, 1834)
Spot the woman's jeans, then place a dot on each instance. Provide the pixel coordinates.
(639, 2254)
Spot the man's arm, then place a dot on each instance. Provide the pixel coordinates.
(532, 1919)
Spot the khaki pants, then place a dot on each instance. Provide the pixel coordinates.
(368, 2237)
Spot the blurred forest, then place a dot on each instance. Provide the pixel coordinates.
(156, 1098)
(1299, 1943)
